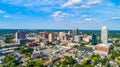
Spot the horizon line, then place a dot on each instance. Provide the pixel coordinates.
(50, 29)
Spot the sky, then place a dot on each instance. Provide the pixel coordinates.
(59, 14)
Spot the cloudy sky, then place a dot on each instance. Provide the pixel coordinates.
(59, 14)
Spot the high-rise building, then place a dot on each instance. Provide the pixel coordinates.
(51, 37)
(45, 35)
(94, 39)
(61, 35)
(103, 48)
(74, 32)
(78, 38)
(69, 33)
(20, 35)
(104, 35)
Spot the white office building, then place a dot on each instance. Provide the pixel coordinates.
(104, 35)
(74, 32)
(104, 47)
(77, 38)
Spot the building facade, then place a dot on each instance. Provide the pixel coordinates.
(51, 37)
(20, 35)
(94, 39)
(104, 35)
(74, 32)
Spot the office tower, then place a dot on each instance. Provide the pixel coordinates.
(61, 35)
(94, 39)
(45, 35)
(51, 37)
(65, 38)
(69, 33)
(103, 48)
(74, 32)
(77, 38)
(104, 35)
(20, 35)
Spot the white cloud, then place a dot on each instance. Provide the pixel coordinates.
(89, 19)
(81, 3)
(116, 17)
(84, 15)
(1, 11)
(6, 16)
(71, 3)
(91, 2)
(59, 15)
(84, 6)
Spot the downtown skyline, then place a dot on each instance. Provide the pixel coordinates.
(61, 14)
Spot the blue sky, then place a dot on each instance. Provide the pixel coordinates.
(59, 14)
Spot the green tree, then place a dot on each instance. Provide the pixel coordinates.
(9, 38)
(37, 63)
(11, 61)
(69, 60)
(63, 64)
(77, 65)
(31, 64)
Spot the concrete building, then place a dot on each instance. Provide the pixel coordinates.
(61, 35)
(69, 33)
(37, 40)
(20, 35)
(51, 37)
(103, 48)
(87, 38)
(77, 38)
(74, 32)
(45, 35)
(94, 39)
(31, 44)
(104, 35)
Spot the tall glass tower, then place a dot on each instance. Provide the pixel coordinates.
(74, 32)
(94, 39)
(104, 35)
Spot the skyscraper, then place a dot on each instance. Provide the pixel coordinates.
(78, 38)
(45, 35)
(104, 47)
(51, 37)
(94, 39)
(104, 35)
(74, 32)
(69, 33)
(61, 35)
(20, 35)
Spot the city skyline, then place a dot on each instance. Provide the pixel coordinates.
(62, 14)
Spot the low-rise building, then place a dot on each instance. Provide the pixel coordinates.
(102, 49)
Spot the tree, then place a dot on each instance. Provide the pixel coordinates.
(26, 51)
(63, 64)
(95, 58)
(111, 47)
(86, 62)
(37, 63)
(69, 60)
(11, 61)
(107, 65)
(31, 64)
(104, 61)
(9, 38)
(77, 65)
